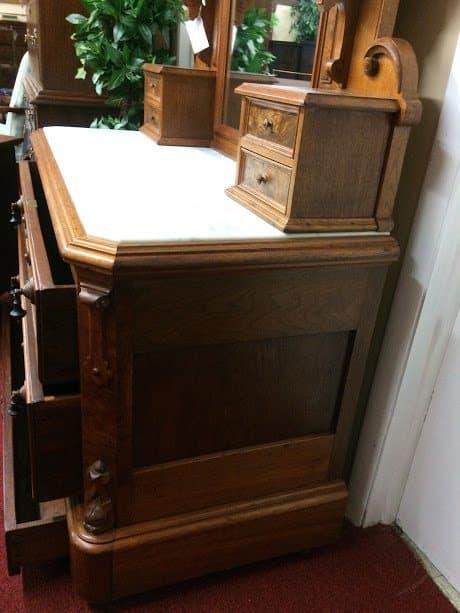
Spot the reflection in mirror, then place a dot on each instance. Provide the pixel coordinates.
(272, 41)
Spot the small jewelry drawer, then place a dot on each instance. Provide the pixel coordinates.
(152, 117)
(273, 124)
(266, 179)
(46, 285)
(153, 87)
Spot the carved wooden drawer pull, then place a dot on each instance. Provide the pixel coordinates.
(261, 179)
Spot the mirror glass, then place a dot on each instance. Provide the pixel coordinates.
(271, 41)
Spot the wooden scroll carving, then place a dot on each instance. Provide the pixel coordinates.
(334, 45)
(390, 71)
(391, 66)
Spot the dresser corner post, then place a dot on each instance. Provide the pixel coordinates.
(97, 340)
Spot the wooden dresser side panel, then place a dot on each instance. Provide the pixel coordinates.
(347, 163)
(219, 362)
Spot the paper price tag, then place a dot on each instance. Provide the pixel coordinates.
(197, 34)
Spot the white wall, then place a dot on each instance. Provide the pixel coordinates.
(424, 310)
(430, 507)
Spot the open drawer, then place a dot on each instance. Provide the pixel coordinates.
(54, 429)
(48, 285)
(34, 532)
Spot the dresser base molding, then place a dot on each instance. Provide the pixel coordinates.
(304, 224)
(147, 555)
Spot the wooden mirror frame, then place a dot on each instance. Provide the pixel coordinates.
(346, 30)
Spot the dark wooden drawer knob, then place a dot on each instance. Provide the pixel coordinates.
(16, 311)
(17, 403)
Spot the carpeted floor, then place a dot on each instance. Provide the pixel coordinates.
(368, 571)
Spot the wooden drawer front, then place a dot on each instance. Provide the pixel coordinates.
(153, 86)
(55, 447)
(34, 533)
(53, 423)
(152, 117)
(47, 282)
(275, 124)
(266, 179)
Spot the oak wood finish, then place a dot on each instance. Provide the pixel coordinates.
(178, 105)
(54, 429)
(224, 407)
(210, 480)
(50, 287)
(168, 550)
(219, 381)
(332, 133)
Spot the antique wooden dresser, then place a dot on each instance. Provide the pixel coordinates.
(186, 376)
(220, 362)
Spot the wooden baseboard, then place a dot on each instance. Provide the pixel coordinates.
(156, 553)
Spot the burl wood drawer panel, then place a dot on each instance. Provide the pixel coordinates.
(48, 286)
(271, 125)
(265, 179)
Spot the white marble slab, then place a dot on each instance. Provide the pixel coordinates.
(125, 187)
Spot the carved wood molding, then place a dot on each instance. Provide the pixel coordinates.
(401, 81)
(98, 508)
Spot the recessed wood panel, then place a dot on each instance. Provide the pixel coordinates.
(194, 400)
(350, 176)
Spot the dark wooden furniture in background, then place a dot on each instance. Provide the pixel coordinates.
(293, 60)
(52, 90)
(12, 48)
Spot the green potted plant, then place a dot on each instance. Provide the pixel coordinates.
(113, 42)
(250, 53)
